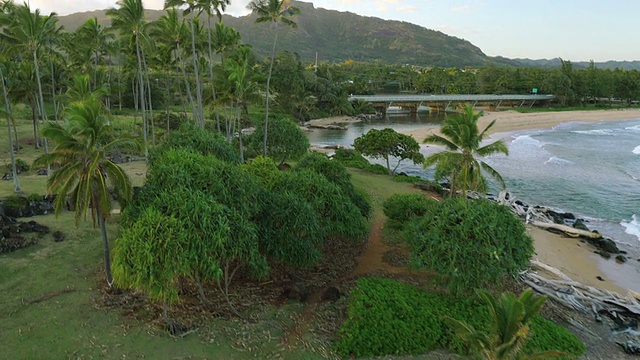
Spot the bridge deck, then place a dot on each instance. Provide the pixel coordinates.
(443, 102)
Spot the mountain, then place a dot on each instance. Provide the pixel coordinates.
(339, 36)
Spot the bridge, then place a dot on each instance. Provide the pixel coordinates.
(436, 103)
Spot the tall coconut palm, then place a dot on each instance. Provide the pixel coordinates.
(274, 12)
(225, 39)
(192, 8)
(211, 8)
(97, 39)
(170, 32)
(27, 33)
(85, 175)
(461, 137)
(242, 89)
(129, 19)
(16, 184)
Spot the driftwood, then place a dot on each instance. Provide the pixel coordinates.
(577, 296)
(573, 232)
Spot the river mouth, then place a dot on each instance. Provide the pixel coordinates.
(399, 122)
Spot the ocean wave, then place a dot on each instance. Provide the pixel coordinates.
(633, 128)
(636, 150)
(554, 160)
(527, 140)
(597, 132)
(632, 227)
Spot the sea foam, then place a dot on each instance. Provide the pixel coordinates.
(633, 128)
(636, 150)
(597, 132)
(554, 160)
(632, 227)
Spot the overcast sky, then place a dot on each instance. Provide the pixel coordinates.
(571, 29)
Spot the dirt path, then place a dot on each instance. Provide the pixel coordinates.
(371, 260)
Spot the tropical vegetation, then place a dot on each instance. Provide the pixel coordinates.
(228, 196)
(460, 162)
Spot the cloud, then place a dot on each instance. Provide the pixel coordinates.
(409, 8)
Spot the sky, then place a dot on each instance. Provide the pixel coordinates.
(576, 30)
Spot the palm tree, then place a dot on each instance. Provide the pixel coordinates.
(97, 39)
(242, 89)
(84, 170)
(192, 7)
(129, 19)
(509, 329)
(213, 7)
(225, 39)
(28, 33)
(7, 104)
(170, 32)
(272, 11)
(462, 139)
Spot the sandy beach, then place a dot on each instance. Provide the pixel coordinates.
(511, 120)
(571, 256)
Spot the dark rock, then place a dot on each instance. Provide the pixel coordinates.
(623, 252)
(331, 294)
(579, 224)
(556, 217)
(58, 236)
(605, 244)
(621, 259)
(599, 278)
(42, 172)
(7, 176)
(604, 254)
(569, 216)
(296, 292)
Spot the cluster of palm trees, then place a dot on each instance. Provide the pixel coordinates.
(39, 58)
(75, 73)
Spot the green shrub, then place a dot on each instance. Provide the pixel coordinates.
(546, 336)
(402, 208)
(35, 197)
(403, 178)
(470, 244)
(16, 202)
(386, 317)
(337, 174)
(389, 318)
(353, 159)
(21, 166)
(285, 140)
(196, 140)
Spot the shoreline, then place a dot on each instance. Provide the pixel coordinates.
(569, 255)
(510, 121)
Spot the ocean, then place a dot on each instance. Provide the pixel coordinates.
(589, 169)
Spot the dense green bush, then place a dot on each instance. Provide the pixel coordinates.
(285, 140)
(337, 214)
(546, 336)
(353, 159)
(402, 208)
(337, 174)
(389, 318)
(194, 139)
(470, 244)
(386, 317)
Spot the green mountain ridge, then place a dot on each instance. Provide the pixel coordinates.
(338, 36)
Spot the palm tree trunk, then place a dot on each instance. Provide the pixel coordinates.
(153, 128)
(105, 243)
(136, 99)
(213, 86)
(53, 93)
(266, 109)
(42, 112)
(142, 103)
(195, 69)
(34, 120)
(16, 184)
(186, 83)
